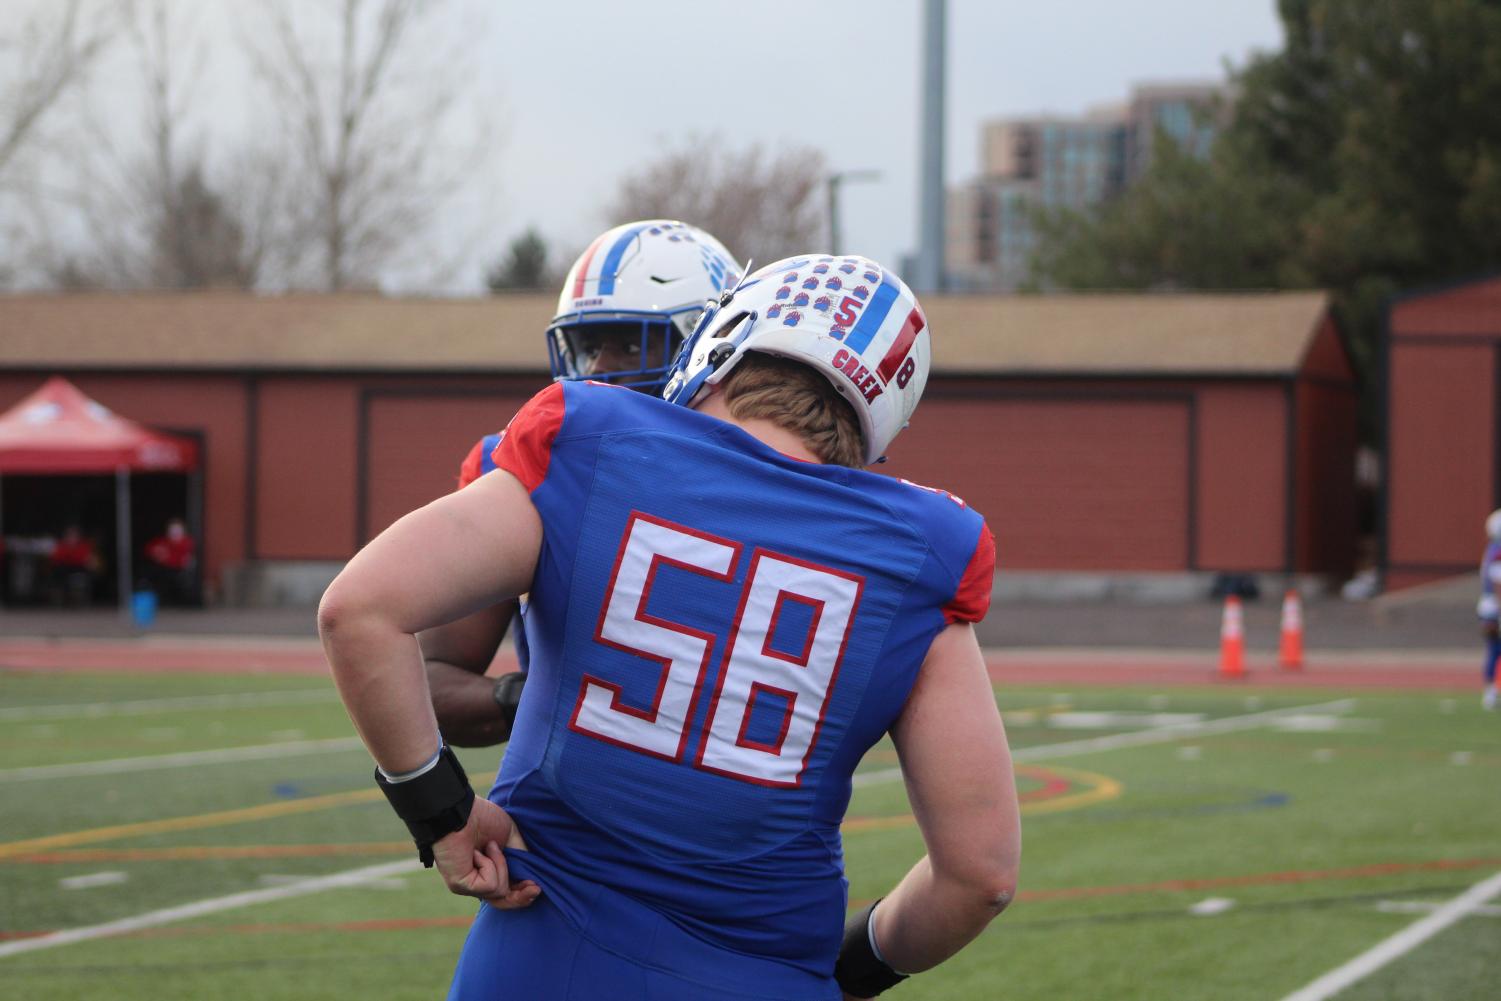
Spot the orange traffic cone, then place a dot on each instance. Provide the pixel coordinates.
(1232, 640)
(1290, 654)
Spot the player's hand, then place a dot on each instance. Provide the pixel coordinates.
(1490, 627)
(472, 864)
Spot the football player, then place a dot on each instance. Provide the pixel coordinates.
(726, 613)
(1488, 607)
(626, 305)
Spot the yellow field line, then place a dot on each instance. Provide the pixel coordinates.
(1102, 788)
(220, 819)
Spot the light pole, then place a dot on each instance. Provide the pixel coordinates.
(928, 275)
(832, 182)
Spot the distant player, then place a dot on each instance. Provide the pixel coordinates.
(726, 613)
(1488, 608)
(626, 305)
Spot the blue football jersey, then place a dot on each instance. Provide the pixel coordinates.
(1490, 573)
(718, 633)
(480, 460)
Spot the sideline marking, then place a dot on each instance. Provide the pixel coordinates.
(141, 707)
(219, 819)
(91, 880)
(1400, 944)
(1211, 906)
(1137, 738)
(184, 759)
(353, 878)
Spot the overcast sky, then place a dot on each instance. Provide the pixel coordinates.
(594, 86)
(578, 92)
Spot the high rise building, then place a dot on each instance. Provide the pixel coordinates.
(1053, 162)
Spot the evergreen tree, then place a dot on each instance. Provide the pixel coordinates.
(1364, 157)
(524, 265)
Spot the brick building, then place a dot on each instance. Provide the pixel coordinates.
(1097, 433)
(1443, 407)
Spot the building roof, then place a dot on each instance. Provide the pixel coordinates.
(242, 331)
(1259, 333)
(1255, 333)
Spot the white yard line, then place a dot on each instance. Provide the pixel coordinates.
(352, 878)
(357, 877)
(1137, 738)
(141, 707)
(185, 759)
(1400, 944)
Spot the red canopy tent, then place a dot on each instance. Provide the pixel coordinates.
(59, 431)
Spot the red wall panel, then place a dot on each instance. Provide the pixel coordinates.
(1326, 357)
(305, 475)
(417, 444)
(1325, 502)
(1065, 483)
(1442, 450)
(1242, 474)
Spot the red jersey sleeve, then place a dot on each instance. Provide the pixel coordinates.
(526, 444)
(972, 598)
(473, 463)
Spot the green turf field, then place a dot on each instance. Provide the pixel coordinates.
(1242, 855)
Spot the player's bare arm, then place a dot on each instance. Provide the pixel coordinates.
(957, 769)
(460, 554)
(473, 708)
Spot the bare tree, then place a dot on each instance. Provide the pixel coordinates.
(194, 236)
(141, 186)
(46, 54)
(367, 161)
(51, 51)
(760, 205)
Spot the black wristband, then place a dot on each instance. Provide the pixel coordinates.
(434, 804)
(507, 695)
(859, 971)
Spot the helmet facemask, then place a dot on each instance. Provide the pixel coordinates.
(635, 351)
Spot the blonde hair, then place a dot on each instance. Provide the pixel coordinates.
(798, 399)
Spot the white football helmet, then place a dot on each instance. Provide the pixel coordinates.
(1493, 526)
(631, 298)
(846, 317)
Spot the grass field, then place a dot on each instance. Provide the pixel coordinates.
(1195, 843)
